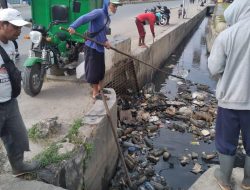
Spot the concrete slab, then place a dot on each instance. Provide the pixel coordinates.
(8, 182)
(64, 99)
(208, 182)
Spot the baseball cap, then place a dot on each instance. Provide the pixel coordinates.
(13, 16)
(116, 2)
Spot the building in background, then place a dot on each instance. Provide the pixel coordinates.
(19, 1)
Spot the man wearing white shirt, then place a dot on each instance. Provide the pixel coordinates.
(12, 129)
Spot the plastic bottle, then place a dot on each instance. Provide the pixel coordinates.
(129, 144)
(149, 186)
(141, 188)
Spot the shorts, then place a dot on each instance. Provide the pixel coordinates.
(94, 65)
(229, 123)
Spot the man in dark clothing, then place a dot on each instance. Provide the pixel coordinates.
(140, 21)
(167, 12)
(94, 54)
(12, 129)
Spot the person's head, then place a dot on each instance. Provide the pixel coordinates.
(181, 5)
(11, 23)
(113, 4)
(153, 10)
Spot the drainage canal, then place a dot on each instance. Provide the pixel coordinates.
(167, 131)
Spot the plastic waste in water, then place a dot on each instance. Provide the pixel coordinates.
(129, 144)
(149, 186)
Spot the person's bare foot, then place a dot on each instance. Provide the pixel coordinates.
(144, 46)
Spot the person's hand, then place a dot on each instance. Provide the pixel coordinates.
(71, 30)
(107, 45)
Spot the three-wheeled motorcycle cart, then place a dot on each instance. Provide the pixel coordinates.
(51, 47)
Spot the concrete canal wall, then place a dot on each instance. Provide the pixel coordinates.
(102, 163)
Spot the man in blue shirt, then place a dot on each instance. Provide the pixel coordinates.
(99, 20)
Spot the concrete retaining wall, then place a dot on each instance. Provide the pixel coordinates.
(102, 163)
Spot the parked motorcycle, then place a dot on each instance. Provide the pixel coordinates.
(162, 17)
(56, 51)
(52, 48)
(162, 14)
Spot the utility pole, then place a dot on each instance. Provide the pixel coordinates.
(183, 8)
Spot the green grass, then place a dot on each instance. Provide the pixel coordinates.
(34, 133)
(51, 156)
(73, 132)
(88, 148)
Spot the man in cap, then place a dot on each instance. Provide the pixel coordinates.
(12, 129)
(94, 54)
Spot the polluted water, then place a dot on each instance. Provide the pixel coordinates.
(167, 131)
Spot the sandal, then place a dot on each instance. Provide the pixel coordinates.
(99, 97)
(106, 91)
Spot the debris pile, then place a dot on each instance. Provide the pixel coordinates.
(141, 116)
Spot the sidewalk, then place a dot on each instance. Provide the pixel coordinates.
(208, 182)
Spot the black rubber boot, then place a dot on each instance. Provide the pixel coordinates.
(20, 167)
(223, 174)
(246, 181)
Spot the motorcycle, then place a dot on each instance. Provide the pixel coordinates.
(57, 52)
(162, 14)
(53, 50)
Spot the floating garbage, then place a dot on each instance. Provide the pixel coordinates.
(197, 168)
(142, 118)
(153, 119)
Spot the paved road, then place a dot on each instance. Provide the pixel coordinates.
(122, 22)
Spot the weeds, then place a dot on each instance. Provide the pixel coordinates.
(51, 156)
(34, 133)
(73, 132)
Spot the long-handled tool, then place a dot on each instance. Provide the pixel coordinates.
(123, 53)
(115, 137)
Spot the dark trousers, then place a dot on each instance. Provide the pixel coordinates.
(229, 123)
(94, 65)
(12, 129)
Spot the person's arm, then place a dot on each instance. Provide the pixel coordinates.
(107, 44)
(152, 19)
(85, 19)
(217, 58)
